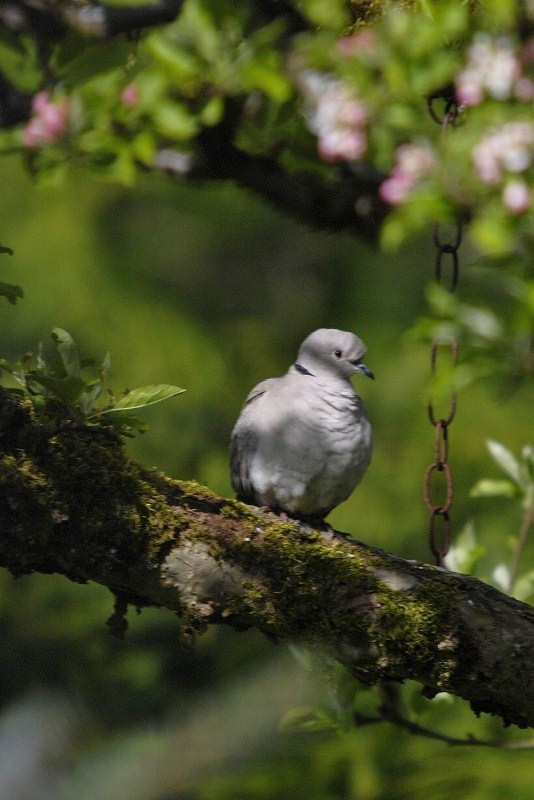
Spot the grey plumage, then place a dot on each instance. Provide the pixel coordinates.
(303, 441)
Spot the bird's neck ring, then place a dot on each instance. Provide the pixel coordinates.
(303, 370)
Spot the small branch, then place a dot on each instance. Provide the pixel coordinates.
(103, 22)
(90, 19)
(526, 522)
(349, 202)
(15, 105)
(390, 711)
(361, 720)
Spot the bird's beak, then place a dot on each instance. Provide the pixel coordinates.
(364, 370)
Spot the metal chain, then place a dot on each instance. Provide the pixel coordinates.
(439, 544)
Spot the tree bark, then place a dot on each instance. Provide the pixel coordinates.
(72, 503)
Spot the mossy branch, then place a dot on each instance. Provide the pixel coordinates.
(72, 503)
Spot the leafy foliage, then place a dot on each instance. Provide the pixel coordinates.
(8, 290)
(519, 486)
(81, 385)
(309, 90)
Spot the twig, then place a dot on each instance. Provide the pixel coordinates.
(416, 729)
(526, 521)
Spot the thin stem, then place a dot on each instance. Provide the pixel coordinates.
(391, 711)
(526, 522)
(415, 729)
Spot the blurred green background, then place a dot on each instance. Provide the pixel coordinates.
(210, 289)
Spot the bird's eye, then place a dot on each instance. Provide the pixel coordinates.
(338, 353)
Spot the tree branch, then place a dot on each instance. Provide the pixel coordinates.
(71, 502)
(349, 202)
(92, 20)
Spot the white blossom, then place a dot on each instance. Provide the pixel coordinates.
(505, 149)
(492, 68)
(335, 115)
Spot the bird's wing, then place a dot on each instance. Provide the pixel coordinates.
(243, 443)
(258, 391)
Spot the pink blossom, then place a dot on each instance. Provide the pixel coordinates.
(347, 144)
(412, 163)
(524, 89)
(48, 123)
(469, 93)
(40, 102)
(355, 113)
(130, 95)
(364, 40)
(414, 160)
(33, 134)
(395, 190)
(516, 196)
(527, 52)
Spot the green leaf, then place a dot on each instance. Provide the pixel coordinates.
(488, 487)
(493, 234)
(105, 367)
(11, 292)
(144, 396)
(144, 148)
(181, 64)
(125, 423)
(506, 460)
(77, 61)
(524, 586)
(213, 111)
(441, 301)
(267, 78)
(466, 552)
(90, 396)
(175, 121)
(307, 719)
(331, 16)
(393, 233)
(18, 375)
(68, 389)
(500, 577)
(481, 322)
(68, 352)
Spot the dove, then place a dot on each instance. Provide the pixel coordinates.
(303, 441)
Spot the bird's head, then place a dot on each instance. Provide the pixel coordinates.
(335, 352)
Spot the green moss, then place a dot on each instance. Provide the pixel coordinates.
(297, 581)
(411, 626)
(233, 509)
(197, 492)
(72, 486)
(328, 591)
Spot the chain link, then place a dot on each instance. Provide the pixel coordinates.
(450, 249)
(452, 109)
(440, 544)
